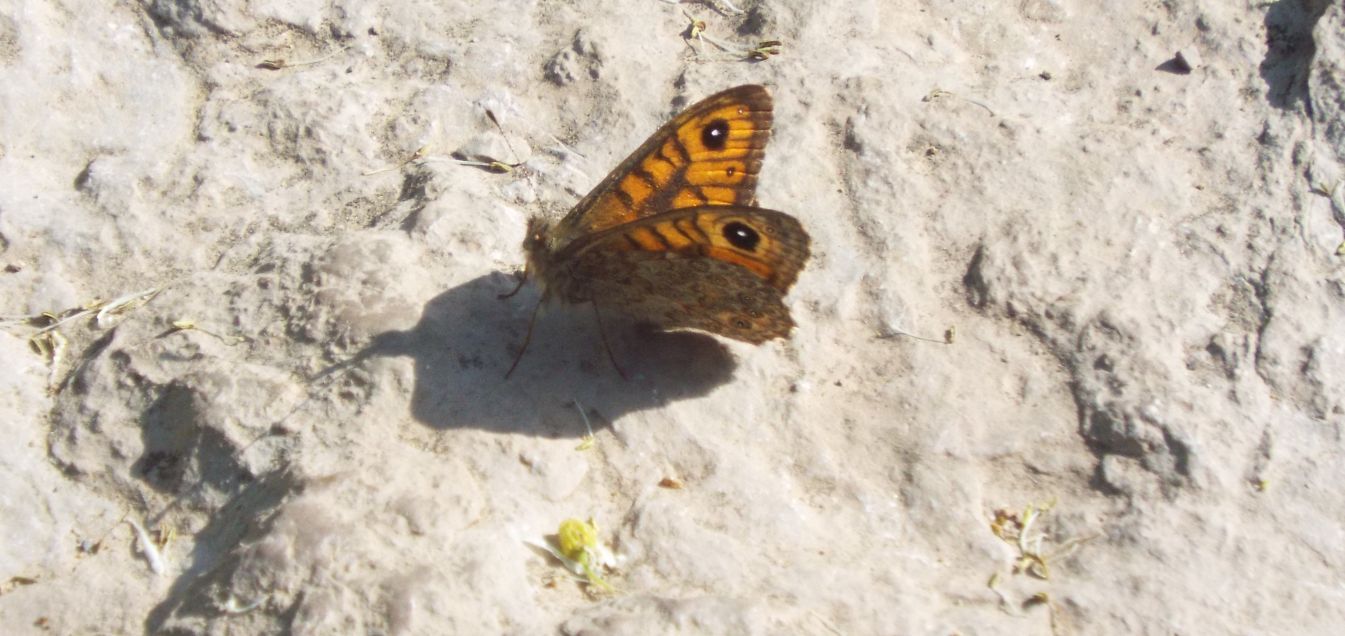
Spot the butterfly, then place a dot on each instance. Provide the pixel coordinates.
(672, 237)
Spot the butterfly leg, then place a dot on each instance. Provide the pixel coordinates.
(602, 331)
(526, 339)
(522, 278)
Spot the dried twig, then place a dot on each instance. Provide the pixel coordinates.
(277, 64)
(697, 32)
(939, 93)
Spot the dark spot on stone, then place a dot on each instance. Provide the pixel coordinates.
(741, 236)
(715, 135)
(741, 324)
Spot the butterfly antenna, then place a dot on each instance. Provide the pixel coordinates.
(602, 331)
(510, 146)
(527, 339)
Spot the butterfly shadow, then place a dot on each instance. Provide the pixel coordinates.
(467, 337)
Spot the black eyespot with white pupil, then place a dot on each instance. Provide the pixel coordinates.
(715, 135)
(741, 236)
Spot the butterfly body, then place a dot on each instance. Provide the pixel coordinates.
(673, 237)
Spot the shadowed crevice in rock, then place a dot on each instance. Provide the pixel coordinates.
(199, 592)
(179, 448)
(1289, 51)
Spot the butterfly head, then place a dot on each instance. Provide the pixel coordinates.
(537, 245)
(538, 229)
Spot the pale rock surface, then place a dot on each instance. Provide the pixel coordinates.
(1139, 268)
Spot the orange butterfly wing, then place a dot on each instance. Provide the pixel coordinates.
(721, 269)
(672, 237)
(710, 154)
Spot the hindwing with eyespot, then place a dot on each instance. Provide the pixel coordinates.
(723, 269)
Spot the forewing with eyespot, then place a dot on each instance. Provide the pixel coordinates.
(710, 154)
